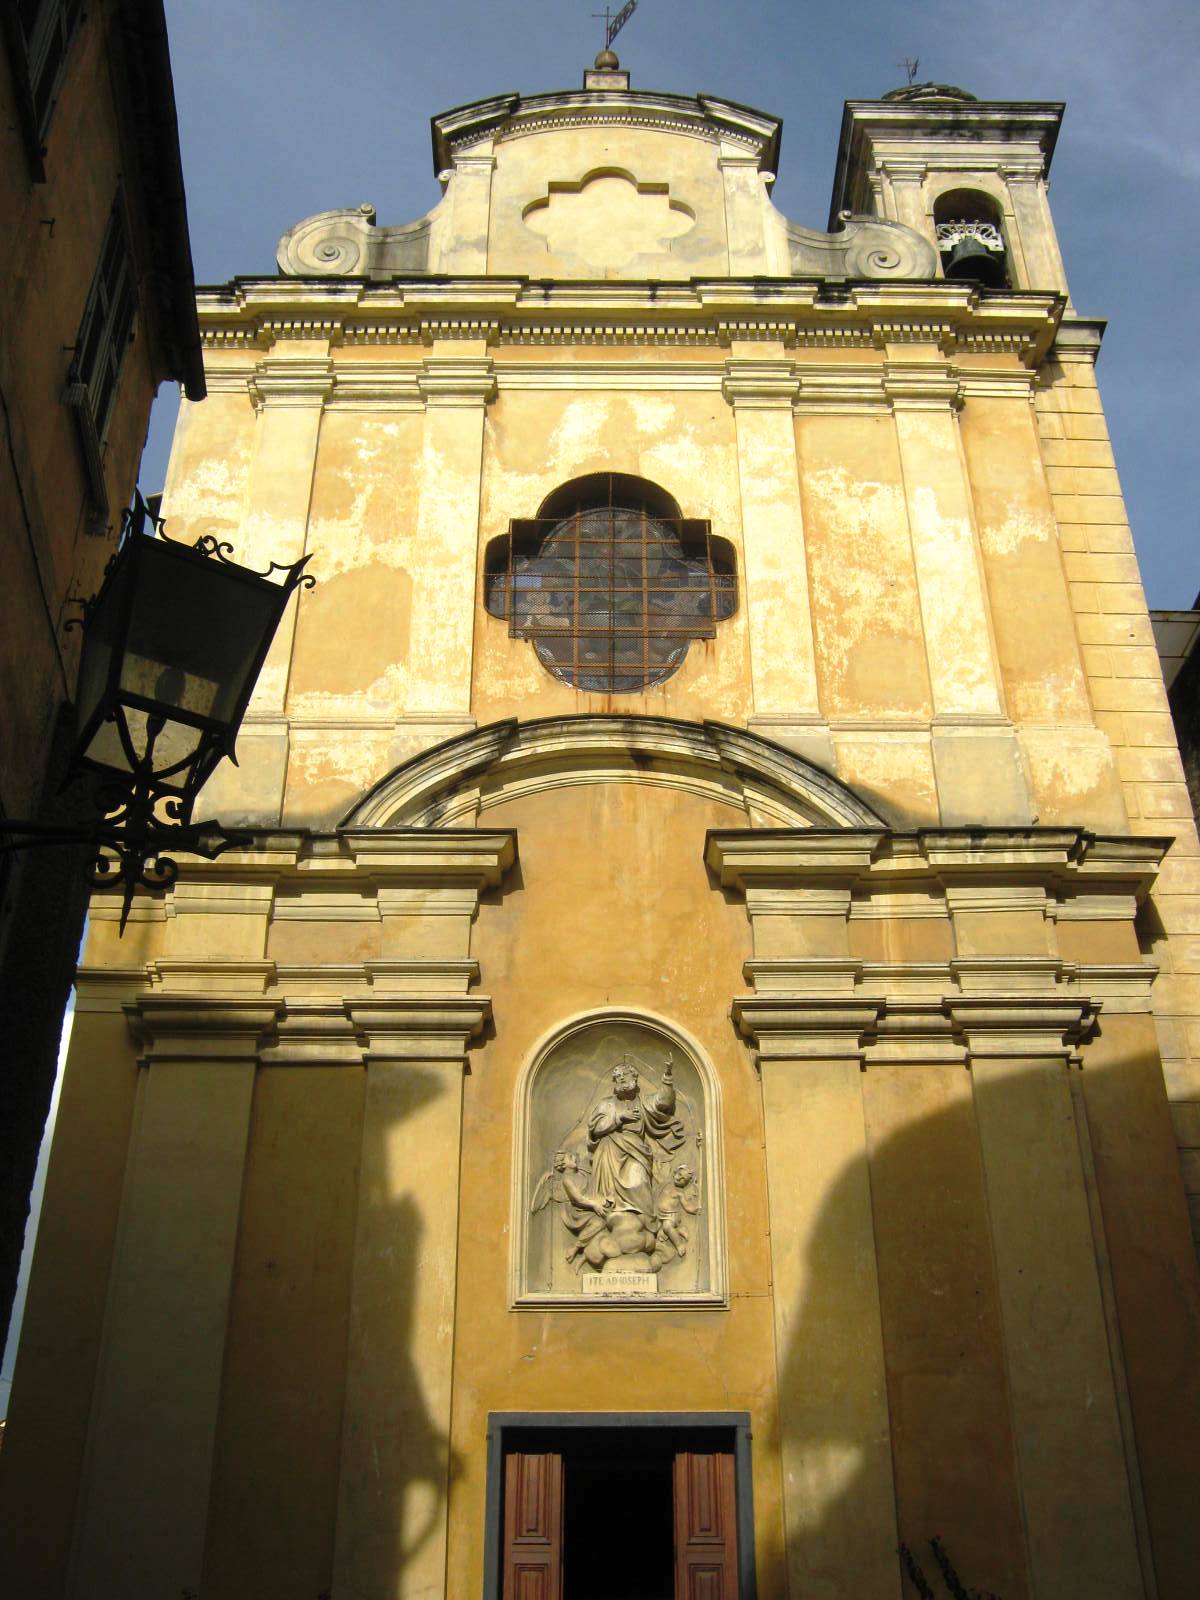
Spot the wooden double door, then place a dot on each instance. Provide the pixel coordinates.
(614, 1518)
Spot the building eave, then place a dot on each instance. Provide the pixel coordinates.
(144, 30)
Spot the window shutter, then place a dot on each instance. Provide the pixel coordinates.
(100, 348)
(533, 1526)
(705, 1527)
(43, 32)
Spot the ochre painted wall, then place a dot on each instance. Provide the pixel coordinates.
(615, 902)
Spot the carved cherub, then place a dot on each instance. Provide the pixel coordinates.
(582, 1215)
(674, 1199)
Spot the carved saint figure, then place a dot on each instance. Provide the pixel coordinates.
(622, 1133)
(619, 1199)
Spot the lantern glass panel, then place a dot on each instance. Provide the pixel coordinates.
(174, 747)
(102, 641)
(197, 631)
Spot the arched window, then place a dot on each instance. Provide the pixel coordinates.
(970, 238)
(610, 583)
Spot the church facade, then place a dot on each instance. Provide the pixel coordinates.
(677, 1100)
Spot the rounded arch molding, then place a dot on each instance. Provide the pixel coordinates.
(559, 1254)
(453, 784)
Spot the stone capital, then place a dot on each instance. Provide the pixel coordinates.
(902, 169)
(457, 381)
(418, 1027)
(432, 856)
(291, 381)
(792, 858)
(760, 385)
(821, 899)
(1021, 1026)
(202, 1027)
(796, 975)
(921, 386)
(796, 1027)
(436, 976)
(171, 977)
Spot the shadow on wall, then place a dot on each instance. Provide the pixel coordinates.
(397, 1466)
(1022, 1229)
(967, 1206)
(971, 1218)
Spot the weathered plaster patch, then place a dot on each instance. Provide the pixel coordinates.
(1017, 527)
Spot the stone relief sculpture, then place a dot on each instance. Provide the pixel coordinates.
(618, 1172)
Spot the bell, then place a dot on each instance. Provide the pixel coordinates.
(974, 262)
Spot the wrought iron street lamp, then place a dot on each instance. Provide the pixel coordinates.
(172, 646)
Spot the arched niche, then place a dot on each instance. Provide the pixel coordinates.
(456, 783)
(618, 1174)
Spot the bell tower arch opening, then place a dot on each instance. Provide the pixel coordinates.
(970, 238)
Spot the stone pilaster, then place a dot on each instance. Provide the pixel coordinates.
(808, 1029)
(1038, 242)
(969, 734)
(456, 383)
(413, 1027)
(744, 212)
(289, 388)
(143, 1502)
(839, 1498)
(463, 246)
(761, 391)
(1065, 1414)
(395, 1478)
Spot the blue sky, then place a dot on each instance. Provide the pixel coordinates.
(290, 108)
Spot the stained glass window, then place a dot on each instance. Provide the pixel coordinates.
(613, 585)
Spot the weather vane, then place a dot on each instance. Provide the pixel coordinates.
(613, 25)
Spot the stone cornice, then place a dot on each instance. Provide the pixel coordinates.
(335, 1014)
(801, 313)
(366, 856)
(442, 870)
(916, 1029)
(513, 116)
(1046, 859)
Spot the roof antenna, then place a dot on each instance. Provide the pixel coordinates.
(612, 27)
(911, 68)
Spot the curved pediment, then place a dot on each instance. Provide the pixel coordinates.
(604, 182)
(453, 784)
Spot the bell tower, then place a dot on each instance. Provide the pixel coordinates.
(971, 175)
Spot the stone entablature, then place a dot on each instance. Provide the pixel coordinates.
(1001, 989)
(955, 318)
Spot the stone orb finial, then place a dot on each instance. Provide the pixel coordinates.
(928, 91)
(607, 61)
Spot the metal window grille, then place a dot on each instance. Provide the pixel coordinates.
(611, 595)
